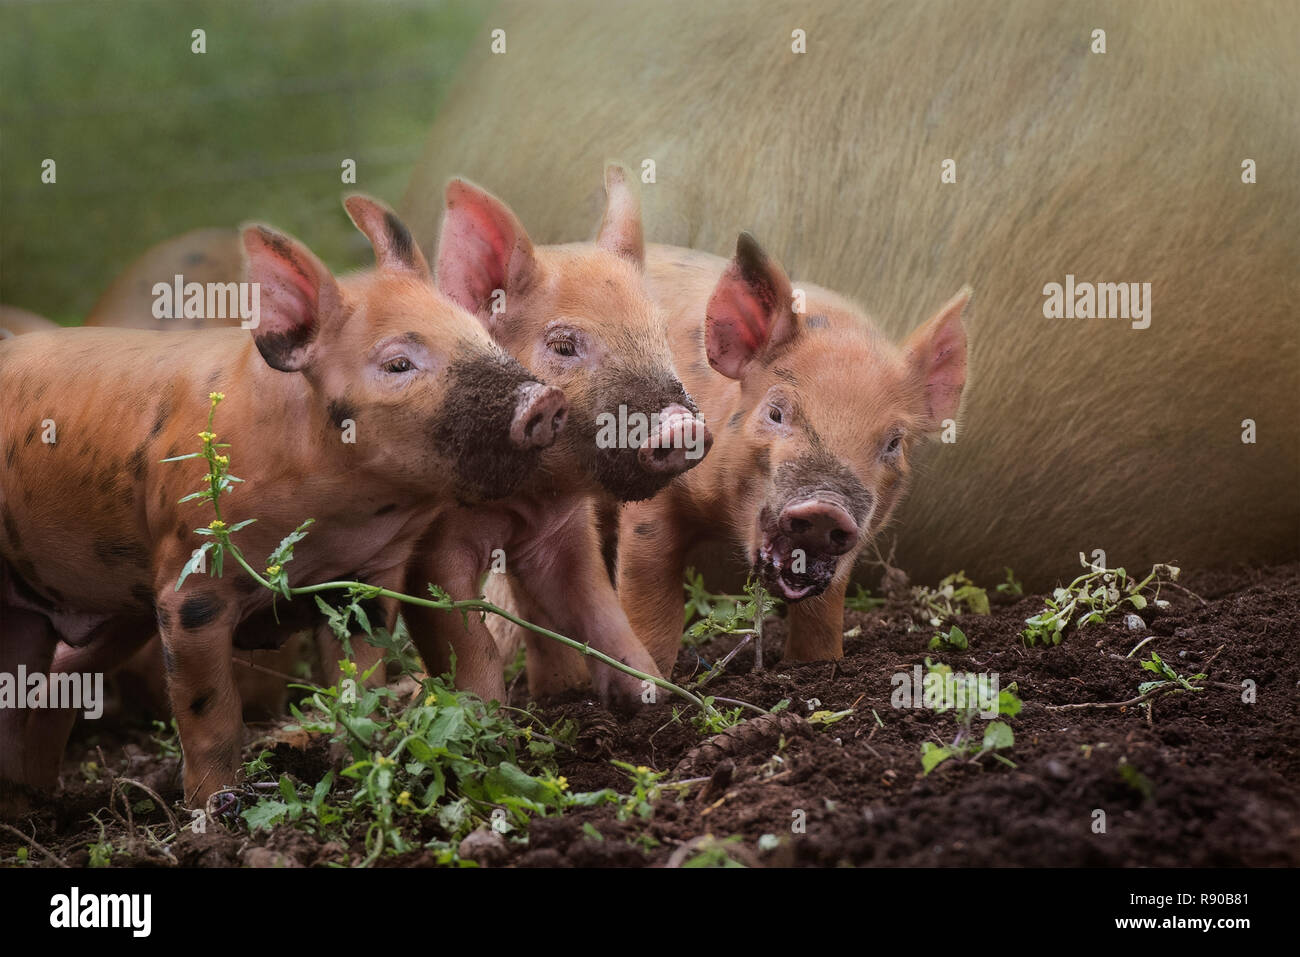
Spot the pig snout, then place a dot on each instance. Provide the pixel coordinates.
(818, 526)
(679, 443)
(539, 416)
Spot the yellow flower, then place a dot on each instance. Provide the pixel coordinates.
(273, 571)
(207, 437)
(642, 769)
(430, 700)
(404, 799)
(562, 783)
(528, 734)
(383, 761)
(216, 396)
(216, 525)
(223, 460)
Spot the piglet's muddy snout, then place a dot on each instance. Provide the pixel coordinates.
(495, 422)
(539, 416)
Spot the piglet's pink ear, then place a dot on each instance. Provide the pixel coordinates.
(394, 247)
(937, 353)
(295, 291)
(482, 248)
(751, 311)
(620, 228)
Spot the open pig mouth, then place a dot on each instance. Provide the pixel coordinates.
(775, 566)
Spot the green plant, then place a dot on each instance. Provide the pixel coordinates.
(863, 600)
(970, 742)
(954, 639)
(167, 738)
(446, 763)
(645, 791)
(1090, 598)
(715, 721)
(102, 850)
(955, 595)
(1010, 586)
(1170, 681)
(710, 852)
(725, 614)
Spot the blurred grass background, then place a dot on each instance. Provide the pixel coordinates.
(152, 140)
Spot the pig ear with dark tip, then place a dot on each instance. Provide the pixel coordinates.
(751, 311)
(394, 247)
(482, 248)
(295, 292)
(937, 353)
(620, 227)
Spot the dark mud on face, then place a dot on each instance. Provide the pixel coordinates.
(474, 426)
(1212, 779)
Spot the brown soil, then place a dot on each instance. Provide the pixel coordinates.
(1214, 783)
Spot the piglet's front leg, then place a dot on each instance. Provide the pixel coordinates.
(569, 586)
(196, 626)
(440, 634)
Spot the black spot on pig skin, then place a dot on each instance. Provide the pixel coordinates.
(473, 426)
(11, 453)
(31, 436)
(121, 552)
(245, 584)
(136, 463)
(160, 418)
(143, 595)
(736, 419)
(385, 509)
(340, 410)
(200, 610)
(644, 528)
(199, 703)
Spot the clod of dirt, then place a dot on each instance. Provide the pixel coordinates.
(485, 846)
(265, 857)
(752, 734)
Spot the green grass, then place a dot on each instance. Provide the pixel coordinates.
(152, 140)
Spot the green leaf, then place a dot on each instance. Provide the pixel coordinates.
(265, 815)
(189, 565)
(1009, 704)
(998, 734)
(932, 755)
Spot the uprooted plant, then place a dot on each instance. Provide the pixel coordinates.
(1094, 596)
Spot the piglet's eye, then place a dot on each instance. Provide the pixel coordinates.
(564, 347)
(774, 413)
(400, 364)
(894, 445)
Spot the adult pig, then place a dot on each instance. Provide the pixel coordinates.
(1122, 166)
